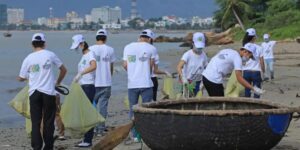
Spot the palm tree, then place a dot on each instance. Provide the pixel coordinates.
(235, 7)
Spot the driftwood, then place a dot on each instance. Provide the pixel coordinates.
(212, 38)
(298, 39)
(168, 39)
(114, 137)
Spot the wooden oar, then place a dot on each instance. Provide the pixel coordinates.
(114, 137)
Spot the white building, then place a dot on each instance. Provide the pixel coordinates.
(42, 21)
(54, 22)
(124, 22)
(115, 15)
(106, 14)
(202, 21)
(71, 15)
(160, 24)
(88, 18)
(111, 26)
(15, 15)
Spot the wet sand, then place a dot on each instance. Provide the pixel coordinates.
(282, 90)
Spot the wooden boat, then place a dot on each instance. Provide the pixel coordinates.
(212, 124)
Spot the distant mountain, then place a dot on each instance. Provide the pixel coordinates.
(147, 8)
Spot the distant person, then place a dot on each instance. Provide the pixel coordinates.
(193, 62)
(155, 70)
(268, 54)
(86, 78)
(138, 60)
(37, 68)
(105, 58)
(254, 68)
(222, 64)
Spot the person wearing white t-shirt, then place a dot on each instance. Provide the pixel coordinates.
(138, 61)
(155, 70)
(193, 62)
(38, 69)
(86, 78)
(222, 64)
(268, 54)
(105, 58)
(254, 68)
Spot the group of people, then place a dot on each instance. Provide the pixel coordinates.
(249, 65)
(140, 60)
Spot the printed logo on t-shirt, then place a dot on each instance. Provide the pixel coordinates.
(84, 62)
(222, 56)
(131, 58)
(98, 58)
(200, 39)
(197, 76)
(35, 68)
(144, 58)
(106, 58)
(268, 49)
(47, 65)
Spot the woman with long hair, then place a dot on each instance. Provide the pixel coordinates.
(253, 69)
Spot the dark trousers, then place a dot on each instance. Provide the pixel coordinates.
(197, 87)
(155, 87)
(42, 106)
(213, 89)
(89, 90)
(254, 78)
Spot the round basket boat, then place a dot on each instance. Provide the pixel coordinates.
(212, 124)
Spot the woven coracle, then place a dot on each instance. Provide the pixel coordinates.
(212, 124)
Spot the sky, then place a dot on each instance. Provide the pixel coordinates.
(146, 8)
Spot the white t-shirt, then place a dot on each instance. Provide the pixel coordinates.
(222, 64)
(138, 56)
(104, 57)
(254, 65)
(37, 67)
(194, 65)
(84, 63)
(268, 49)
(156, 61)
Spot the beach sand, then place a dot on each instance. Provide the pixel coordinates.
(282, 90)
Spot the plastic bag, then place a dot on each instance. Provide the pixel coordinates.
(233, 87)
(21, 102)
(77, 112)
(172, 89)
(28, 127)
(168, 88)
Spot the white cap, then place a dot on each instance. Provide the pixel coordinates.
(101, 32)
(77, 39)
(251, 48)
(251, 32)
(199, 40)
(38, 37)
(266, 36)
(148, 33)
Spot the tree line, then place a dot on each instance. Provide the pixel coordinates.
(268, 15)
